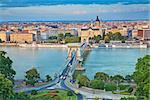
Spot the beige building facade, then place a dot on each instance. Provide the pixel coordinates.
(94, 30)
(3, 36)
(21, 37)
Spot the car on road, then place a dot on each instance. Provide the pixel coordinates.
(64, 78)
(50, 88)
(61, 77)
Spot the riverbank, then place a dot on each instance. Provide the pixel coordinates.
(45, 45)
(8, 44)
(51, 45)
(120, 45)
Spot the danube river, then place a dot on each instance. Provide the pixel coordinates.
(52, 60)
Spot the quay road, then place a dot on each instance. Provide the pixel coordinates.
(57, 81)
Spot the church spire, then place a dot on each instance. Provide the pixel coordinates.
(97, 19)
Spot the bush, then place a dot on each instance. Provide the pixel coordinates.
(97, 84)
(110, 87)
(34, 92)
(123, 87)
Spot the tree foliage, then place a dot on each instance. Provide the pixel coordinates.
(83, 80)
(48, 78)
(117, 78)
(114, 36)
(32, 76)
(102, 76)
(21, 96)
(110, 87)
(6, 66)
(96, 39)
(141, 76)
(60, 37)
(1, 40)
(68, 34)
(107, 39)
(97, 84)
(72, 39)
(34, 92)
(6, 88)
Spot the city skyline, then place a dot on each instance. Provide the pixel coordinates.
(26, 10)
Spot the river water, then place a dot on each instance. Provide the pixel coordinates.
(52, 60)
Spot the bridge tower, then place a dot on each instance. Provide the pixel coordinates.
(76, 48)
(72, 48)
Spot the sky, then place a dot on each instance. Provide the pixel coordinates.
(71, 10)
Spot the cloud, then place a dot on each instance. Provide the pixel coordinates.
(72, 10)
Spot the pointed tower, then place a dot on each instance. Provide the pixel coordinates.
(97, 22)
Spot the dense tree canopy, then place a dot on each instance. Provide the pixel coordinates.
(114, 36)
(102, 76)
(73, 39)
(117, 78)
(107, 39)
(97, 84)
(60, 37)
(32, 76)
(68, 34)
(6, 66)
(142, 77)
(21, 96)
(95, 39)
(83, 80)
(6, 88)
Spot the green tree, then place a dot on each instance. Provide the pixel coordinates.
(97, 84)
(117, 78)
(68, 35)
(107, 39)
(141, 77)
(83, 80)
(6, 88)
(110, 34)
(128, 78)
(32, 76)
(6, 66)
(116, 36)
(1, 40)
(34, 92)
(102, 76)
(21, 96)
(73, 39)
(96, 38)
(60, 37)
(48, 78)
(110, 87)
